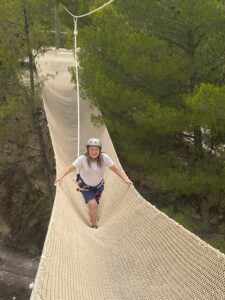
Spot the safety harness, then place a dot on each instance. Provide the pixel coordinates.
(83, 187)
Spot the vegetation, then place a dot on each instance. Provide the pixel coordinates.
(26, 185)
(155, 69)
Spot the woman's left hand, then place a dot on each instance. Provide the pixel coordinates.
(128, 182)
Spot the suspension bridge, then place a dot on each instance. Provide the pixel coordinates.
(137, 252)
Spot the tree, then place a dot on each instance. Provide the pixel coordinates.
(142, 63)
(24, 34)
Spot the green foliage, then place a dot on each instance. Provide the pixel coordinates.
(182, 216)
(8, 108)
(12, 113)
(207, 106)
(201, 181)
(69, 41)
(24, 31)
(97, 120)
(161, 119)
(156, 69)
(20, 200)
(193, 27)
(218, 243)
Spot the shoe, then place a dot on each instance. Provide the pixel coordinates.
(94, 226)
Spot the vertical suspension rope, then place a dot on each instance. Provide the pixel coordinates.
(75, 18)
(77, 84)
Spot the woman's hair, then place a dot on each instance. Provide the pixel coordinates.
(99, 159)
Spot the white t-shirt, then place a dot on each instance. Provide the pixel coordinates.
(94, 174)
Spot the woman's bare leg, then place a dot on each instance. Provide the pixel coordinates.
(93, 211)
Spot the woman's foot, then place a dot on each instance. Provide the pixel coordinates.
(94, 226)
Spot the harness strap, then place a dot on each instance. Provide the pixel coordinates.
(86, 187)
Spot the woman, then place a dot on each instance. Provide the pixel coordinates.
(90, 179)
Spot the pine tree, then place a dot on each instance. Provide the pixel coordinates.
(144, 64)
(24, 35)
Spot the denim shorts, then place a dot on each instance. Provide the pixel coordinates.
(91, 192)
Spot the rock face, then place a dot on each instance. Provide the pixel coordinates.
(25, 205)
(24, 208)
(17, 272)
(24, 215)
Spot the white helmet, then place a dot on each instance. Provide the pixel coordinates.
(94, 142)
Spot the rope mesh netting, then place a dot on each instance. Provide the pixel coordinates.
(137, 252)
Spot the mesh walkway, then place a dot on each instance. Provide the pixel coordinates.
(137, 252)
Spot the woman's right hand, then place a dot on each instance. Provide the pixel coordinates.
(58, 181)
(64, 173)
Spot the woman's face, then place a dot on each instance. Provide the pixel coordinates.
(94, 151)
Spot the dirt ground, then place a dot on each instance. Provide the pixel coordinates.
(17, 272)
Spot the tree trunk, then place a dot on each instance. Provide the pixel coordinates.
(33, 108)
(212, 139)
(198, 142)
(197, 130)
(204, 207)
(44, 159)
(57, 27)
